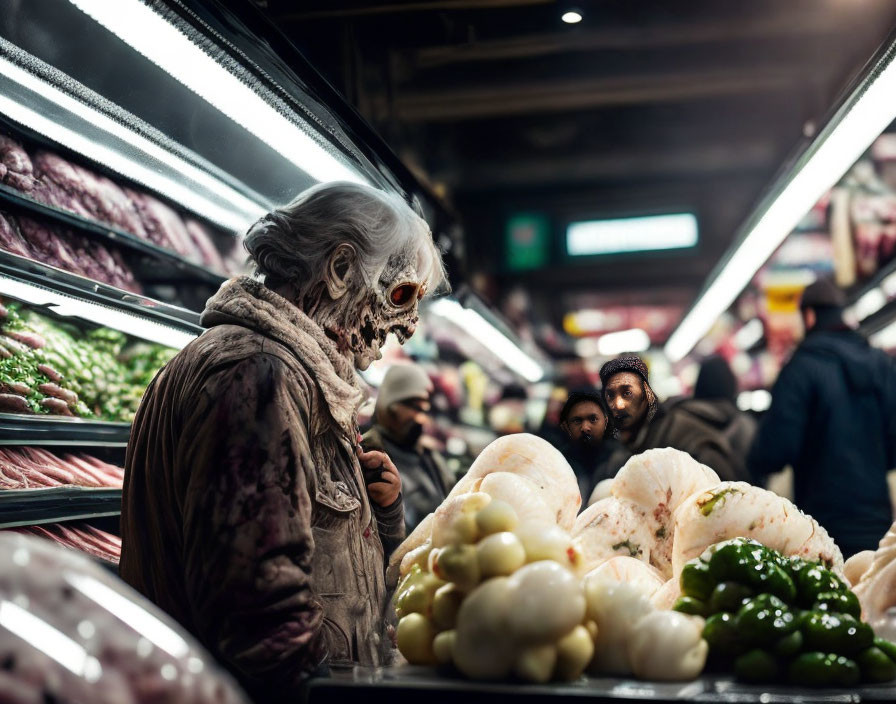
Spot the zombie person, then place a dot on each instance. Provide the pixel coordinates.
(590, 448)
(643, 423)
(401, 414)
(833, 419)
(249, 511)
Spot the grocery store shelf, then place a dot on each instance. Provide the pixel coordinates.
(28, 507)
(48, 431)
(19, 203)
(44, 276)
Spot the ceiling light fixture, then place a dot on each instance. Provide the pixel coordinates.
(66, 306)
(634, 340)
(751, 333)
(490, 337)
(167, 47)
(136, 159)
(572, 17)
(835, 150)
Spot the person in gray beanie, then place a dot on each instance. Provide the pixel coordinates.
(643, 423)
(401, 413)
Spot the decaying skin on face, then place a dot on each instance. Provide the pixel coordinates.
(359, 315)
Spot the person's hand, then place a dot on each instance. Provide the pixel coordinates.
(385, 488)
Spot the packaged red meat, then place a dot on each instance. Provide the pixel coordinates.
(204, 245)
(72, 632)
(163, 226)
(80, 190)
(32, 468)
(11, 238)
(15, 165)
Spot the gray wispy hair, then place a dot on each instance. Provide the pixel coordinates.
(292, 244)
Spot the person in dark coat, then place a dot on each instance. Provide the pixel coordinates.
(402, 411)
(715, 403)
(590, 448)
(832, 419)
(642, 423)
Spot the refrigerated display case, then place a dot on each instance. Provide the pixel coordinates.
(138, 142)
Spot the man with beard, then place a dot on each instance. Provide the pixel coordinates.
(590, 448)
(642, 423)
(249, 511)
(401, 413)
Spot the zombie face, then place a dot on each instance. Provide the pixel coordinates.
(360, 320)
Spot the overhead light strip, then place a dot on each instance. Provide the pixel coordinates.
(237, 215)
(66, 306)
(490, 337)
(871, 113)
(167, 47)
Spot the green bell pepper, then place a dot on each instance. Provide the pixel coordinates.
(696, 580)
(818, 669)
(842, 602)
(728, 596)
(836, 633)
(765, 619)
(876, 665)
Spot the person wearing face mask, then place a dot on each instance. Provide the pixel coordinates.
(250, 513)
(590, 448)
(642, 423)
(401, 413)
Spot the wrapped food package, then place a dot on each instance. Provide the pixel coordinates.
(72, 632)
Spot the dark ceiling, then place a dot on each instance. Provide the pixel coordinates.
(646, 106)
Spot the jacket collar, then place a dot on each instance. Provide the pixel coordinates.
(249, 303)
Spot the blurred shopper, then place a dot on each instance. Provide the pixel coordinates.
(401, 414)
(590, 448)
(642, 423)
(833, 419)
(715, 403)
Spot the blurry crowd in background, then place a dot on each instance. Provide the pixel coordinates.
(832, 422)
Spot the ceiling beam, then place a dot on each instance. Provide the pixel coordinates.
(467, 103)
(657, 36)
(693, 160)
(372, 9)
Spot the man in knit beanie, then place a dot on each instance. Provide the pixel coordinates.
(401, 413)
(642, 423)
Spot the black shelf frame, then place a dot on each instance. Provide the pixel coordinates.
(30, 507)
(56, 431)
(64, 282)
(20, 204)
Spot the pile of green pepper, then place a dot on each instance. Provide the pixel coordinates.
(775, 618)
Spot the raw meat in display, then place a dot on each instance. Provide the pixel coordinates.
(82, 191)
(120, 648)
(204, 245)
(32, 467)
(163, 226)
(11, 239)
(78, 536)
(16, 168)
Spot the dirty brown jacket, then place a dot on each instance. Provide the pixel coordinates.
(245, 513)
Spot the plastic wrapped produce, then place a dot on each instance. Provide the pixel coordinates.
(72, 632)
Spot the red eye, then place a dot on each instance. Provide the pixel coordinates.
(403, 294)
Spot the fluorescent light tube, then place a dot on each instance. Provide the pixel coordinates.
(237, 215)
(655, 232)
(634, 340)
(489, 336)
(884, 339)
(172, 51)
(749, 334)
(869, 303)
(871, 113)
(66, 306)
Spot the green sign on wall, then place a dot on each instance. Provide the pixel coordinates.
(527, 241)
